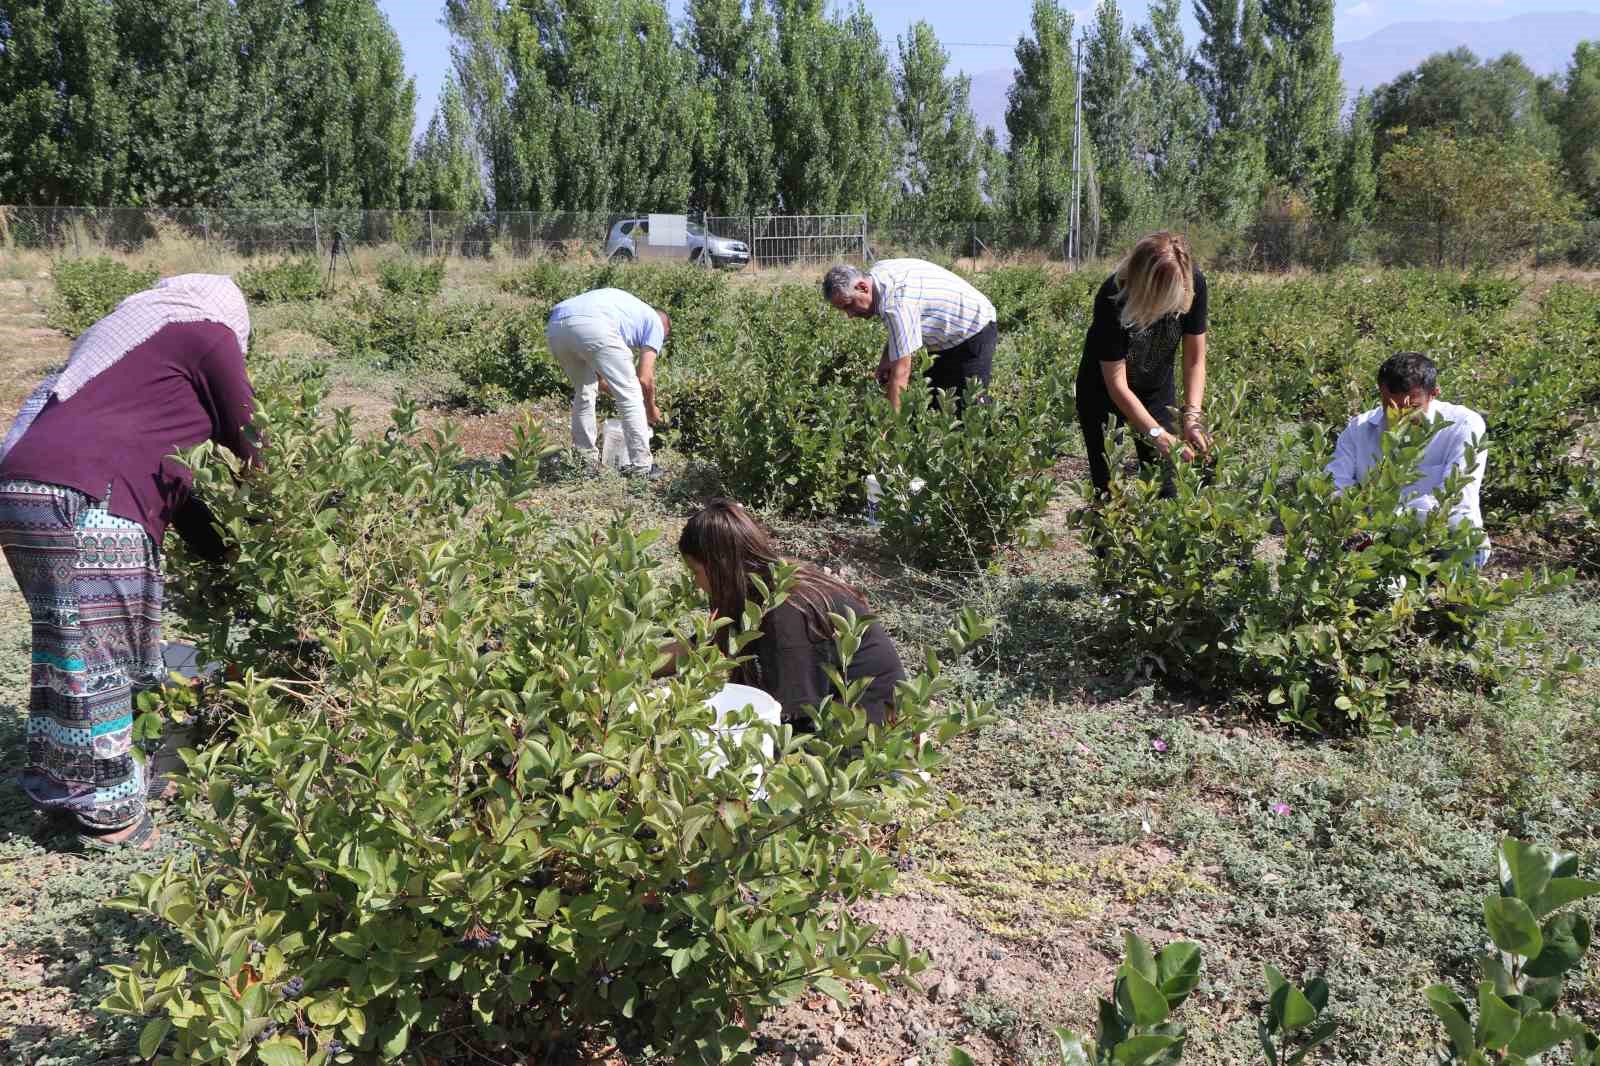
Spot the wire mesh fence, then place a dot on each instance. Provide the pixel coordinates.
(1270, 244)
(308, 231)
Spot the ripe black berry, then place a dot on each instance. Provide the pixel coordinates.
(293, 987)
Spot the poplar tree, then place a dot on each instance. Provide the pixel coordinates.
(1578, 123)
(1304, 90)
(1229, 70)
(941, 151)
(1173, 118)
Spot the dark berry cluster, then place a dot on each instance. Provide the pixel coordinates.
(293, 987)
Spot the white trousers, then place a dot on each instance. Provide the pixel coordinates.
(589, 349)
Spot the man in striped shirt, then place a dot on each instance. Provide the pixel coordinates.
(924, 306)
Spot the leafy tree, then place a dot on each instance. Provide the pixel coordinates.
(579, 104)
(939, 166)
(863, 142)
(446, 174)
(1173, 117)
(1040, 116)
(1468, 201)
(1112, 116)
(1230, 71)
(269, 40)
(63, 120)
(734, 167)
(1578, 121)
(1349, 195)
(1455, 91)
(176, 69)
(482, 60)
(1304, 90)
(831, 102)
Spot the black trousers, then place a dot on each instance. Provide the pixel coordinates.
(1095, 406)
(952, 368)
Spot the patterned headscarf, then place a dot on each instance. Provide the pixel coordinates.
(184, 298)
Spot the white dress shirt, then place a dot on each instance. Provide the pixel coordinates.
(1361, 446)
(926, 306)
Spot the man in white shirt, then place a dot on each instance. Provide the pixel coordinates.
(1408, 384)
(593, 337)
(924, 306)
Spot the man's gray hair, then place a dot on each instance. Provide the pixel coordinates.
(840, 278)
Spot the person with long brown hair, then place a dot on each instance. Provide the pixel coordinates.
(727, 552)
(1155, 297)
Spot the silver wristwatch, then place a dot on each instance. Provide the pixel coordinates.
(1157, 432)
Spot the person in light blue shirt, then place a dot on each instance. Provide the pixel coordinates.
(594, 337)
(1408, 385)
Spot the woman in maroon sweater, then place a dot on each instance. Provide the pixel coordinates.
(87, 490)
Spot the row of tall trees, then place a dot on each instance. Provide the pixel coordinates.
(749, 106)
(782, 104)
(202, 102)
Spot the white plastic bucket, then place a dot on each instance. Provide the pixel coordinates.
(613, 445)
(732, 698)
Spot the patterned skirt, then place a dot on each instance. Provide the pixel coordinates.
(92, 582)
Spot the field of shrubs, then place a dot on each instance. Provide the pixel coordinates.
(1232, 790)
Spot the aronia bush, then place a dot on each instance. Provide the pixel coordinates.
(1324, 607)
(470, 821)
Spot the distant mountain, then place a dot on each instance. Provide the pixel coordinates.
(1544, 41)
(989, 98)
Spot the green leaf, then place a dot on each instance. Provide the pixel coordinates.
(1264, 1033)
(1497, 1020)
(152, 1035)
(1291, 1008)
(1317, 993)
(1539, 1032)
(281, 1053)
(1564, 890)
(1452, 1011)
(1137, 955)
(548, 903)
(1512, 926)
(958, 1057)
(1566, 939)
(395, 1045)
(835, 990)
(1178, 967)
(1524, 870)
(1143, 1000)
(1138, 1050)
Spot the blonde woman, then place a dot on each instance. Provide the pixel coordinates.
(1155, 297)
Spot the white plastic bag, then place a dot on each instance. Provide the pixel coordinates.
(613, 445)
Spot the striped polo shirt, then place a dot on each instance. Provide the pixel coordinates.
(926, 306)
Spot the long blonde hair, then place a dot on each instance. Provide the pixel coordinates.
(1155, 280)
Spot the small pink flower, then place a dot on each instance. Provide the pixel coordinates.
(1279, 808)
(1083, 749)
(1159, 744)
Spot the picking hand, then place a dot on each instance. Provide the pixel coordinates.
(1196, 436)
(654, 416)
(1166, 442)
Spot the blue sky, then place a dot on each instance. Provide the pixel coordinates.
(979, 37)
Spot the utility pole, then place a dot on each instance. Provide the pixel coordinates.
(1075, 224)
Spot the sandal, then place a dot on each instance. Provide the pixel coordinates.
(141, 839)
